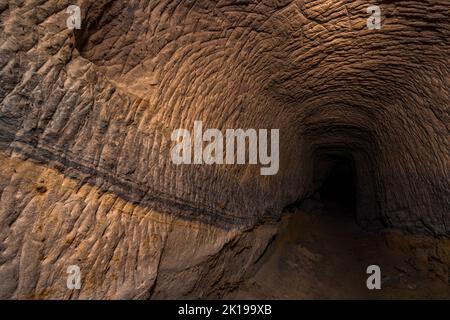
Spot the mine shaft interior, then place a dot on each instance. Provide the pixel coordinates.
(196, 149)
(321, 247)
(338, 191)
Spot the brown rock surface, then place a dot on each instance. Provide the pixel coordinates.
(317, 255)
(86, 117)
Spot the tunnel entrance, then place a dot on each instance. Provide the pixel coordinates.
(338, 191)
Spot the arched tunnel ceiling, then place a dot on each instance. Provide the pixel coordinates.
(98, 105)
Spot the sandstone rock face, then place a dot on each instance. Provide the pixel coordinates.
(86, 117)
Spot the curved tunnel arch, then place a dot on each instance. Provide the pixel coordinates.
(312, 85)
(77, 105)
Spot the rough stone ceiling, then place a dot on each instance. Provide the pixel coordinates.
(138, 69)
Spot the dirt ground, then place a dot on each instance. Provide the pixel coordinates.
(319, 254)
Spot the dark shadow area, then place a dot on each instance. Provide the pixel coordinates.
(338, 191)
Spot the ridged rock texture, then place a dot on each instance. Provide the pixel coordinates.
(86, 117)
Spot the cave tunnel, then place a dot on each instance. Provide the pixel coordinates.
(344, 182)
(338, 190)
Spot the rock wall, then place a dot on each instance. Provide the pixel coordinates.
(86, 117)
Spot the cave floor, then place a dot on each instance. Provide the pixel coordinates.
(319, 254)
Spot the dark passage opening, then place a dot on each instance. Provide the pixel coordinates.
(338, 191)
